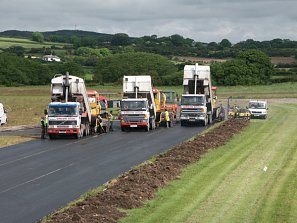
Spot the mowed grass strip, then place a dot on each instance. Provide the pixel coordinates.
(251, 179)
(11, 140)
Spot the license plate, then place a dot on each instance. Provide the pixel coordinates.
(133, 126)
(62, 131)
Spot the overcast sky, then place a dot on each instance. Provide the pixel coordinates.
(201, 20)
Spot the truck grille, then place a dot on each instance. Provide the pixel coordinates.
(72, 122)
(192, 109)
(133, 118)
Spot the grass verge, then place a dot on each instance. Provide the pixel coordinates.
(251, 179)
(12, 140)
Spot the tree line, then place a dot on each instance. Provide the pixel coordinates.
(174, 45)
(251, 67)
(19, 71)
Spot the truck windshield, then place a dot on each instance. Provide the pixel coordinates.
(192, 100)
(170, 97)
(133, 105)
(259, 105)
(62, 110)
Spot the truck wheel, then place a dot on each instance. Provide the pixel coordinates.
(80, 134)
(205, 121)
(123, 129)
(153, 125)
(209, 119)
(182, 123)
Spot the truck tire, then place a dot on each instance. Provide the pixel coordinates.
(123, 128)
(152, 125)
(80, 134)
(182, 123)
(210, 119)
(205, 121)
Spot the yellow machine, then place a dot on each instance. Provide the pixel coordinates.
(160, 101)
(162, 105)
(232, 112)
(101, 120)
(243, 113)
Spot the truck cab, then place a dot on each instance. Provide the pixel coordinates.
(193, 109)
(138, 108)
(135, 113)
(3, 116)
(64, 119)
(258, 109)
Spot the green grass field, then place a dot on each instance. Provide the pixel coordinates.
(26, 43)
(282, 90)
(28, 103)
(230, 184)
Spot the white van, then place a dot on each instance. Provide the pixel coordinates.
(3, 116)
(258, 109)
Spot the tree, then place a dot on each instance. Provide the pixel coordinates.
(76, 41)
(177, 40)
(252, 67)
(213, 46)
(225, 43)
(38, 37)
(15, 71)
(120, 39)
(111, 69)
(18, 50)
(258, 61)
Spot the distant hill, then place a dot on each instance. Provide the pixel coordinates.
(69, 33)
(16, 34)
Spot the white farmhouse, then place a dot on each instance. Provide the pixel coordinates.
(51, 58)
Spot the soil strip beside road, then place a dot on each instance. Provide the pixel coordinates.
(139, 185)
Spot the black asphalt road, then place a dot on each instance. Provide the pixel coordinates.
(39, 176)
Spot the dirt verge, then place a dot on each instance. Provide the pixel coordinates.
(138, 185)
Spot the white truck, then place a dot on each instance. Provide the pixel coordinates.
(3, 116)
(197, 101)
(258, 109)
(138, 109)
(69, 112)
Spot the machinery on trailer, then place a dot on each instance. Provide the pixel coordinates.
(198, 105)
(138, 109)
